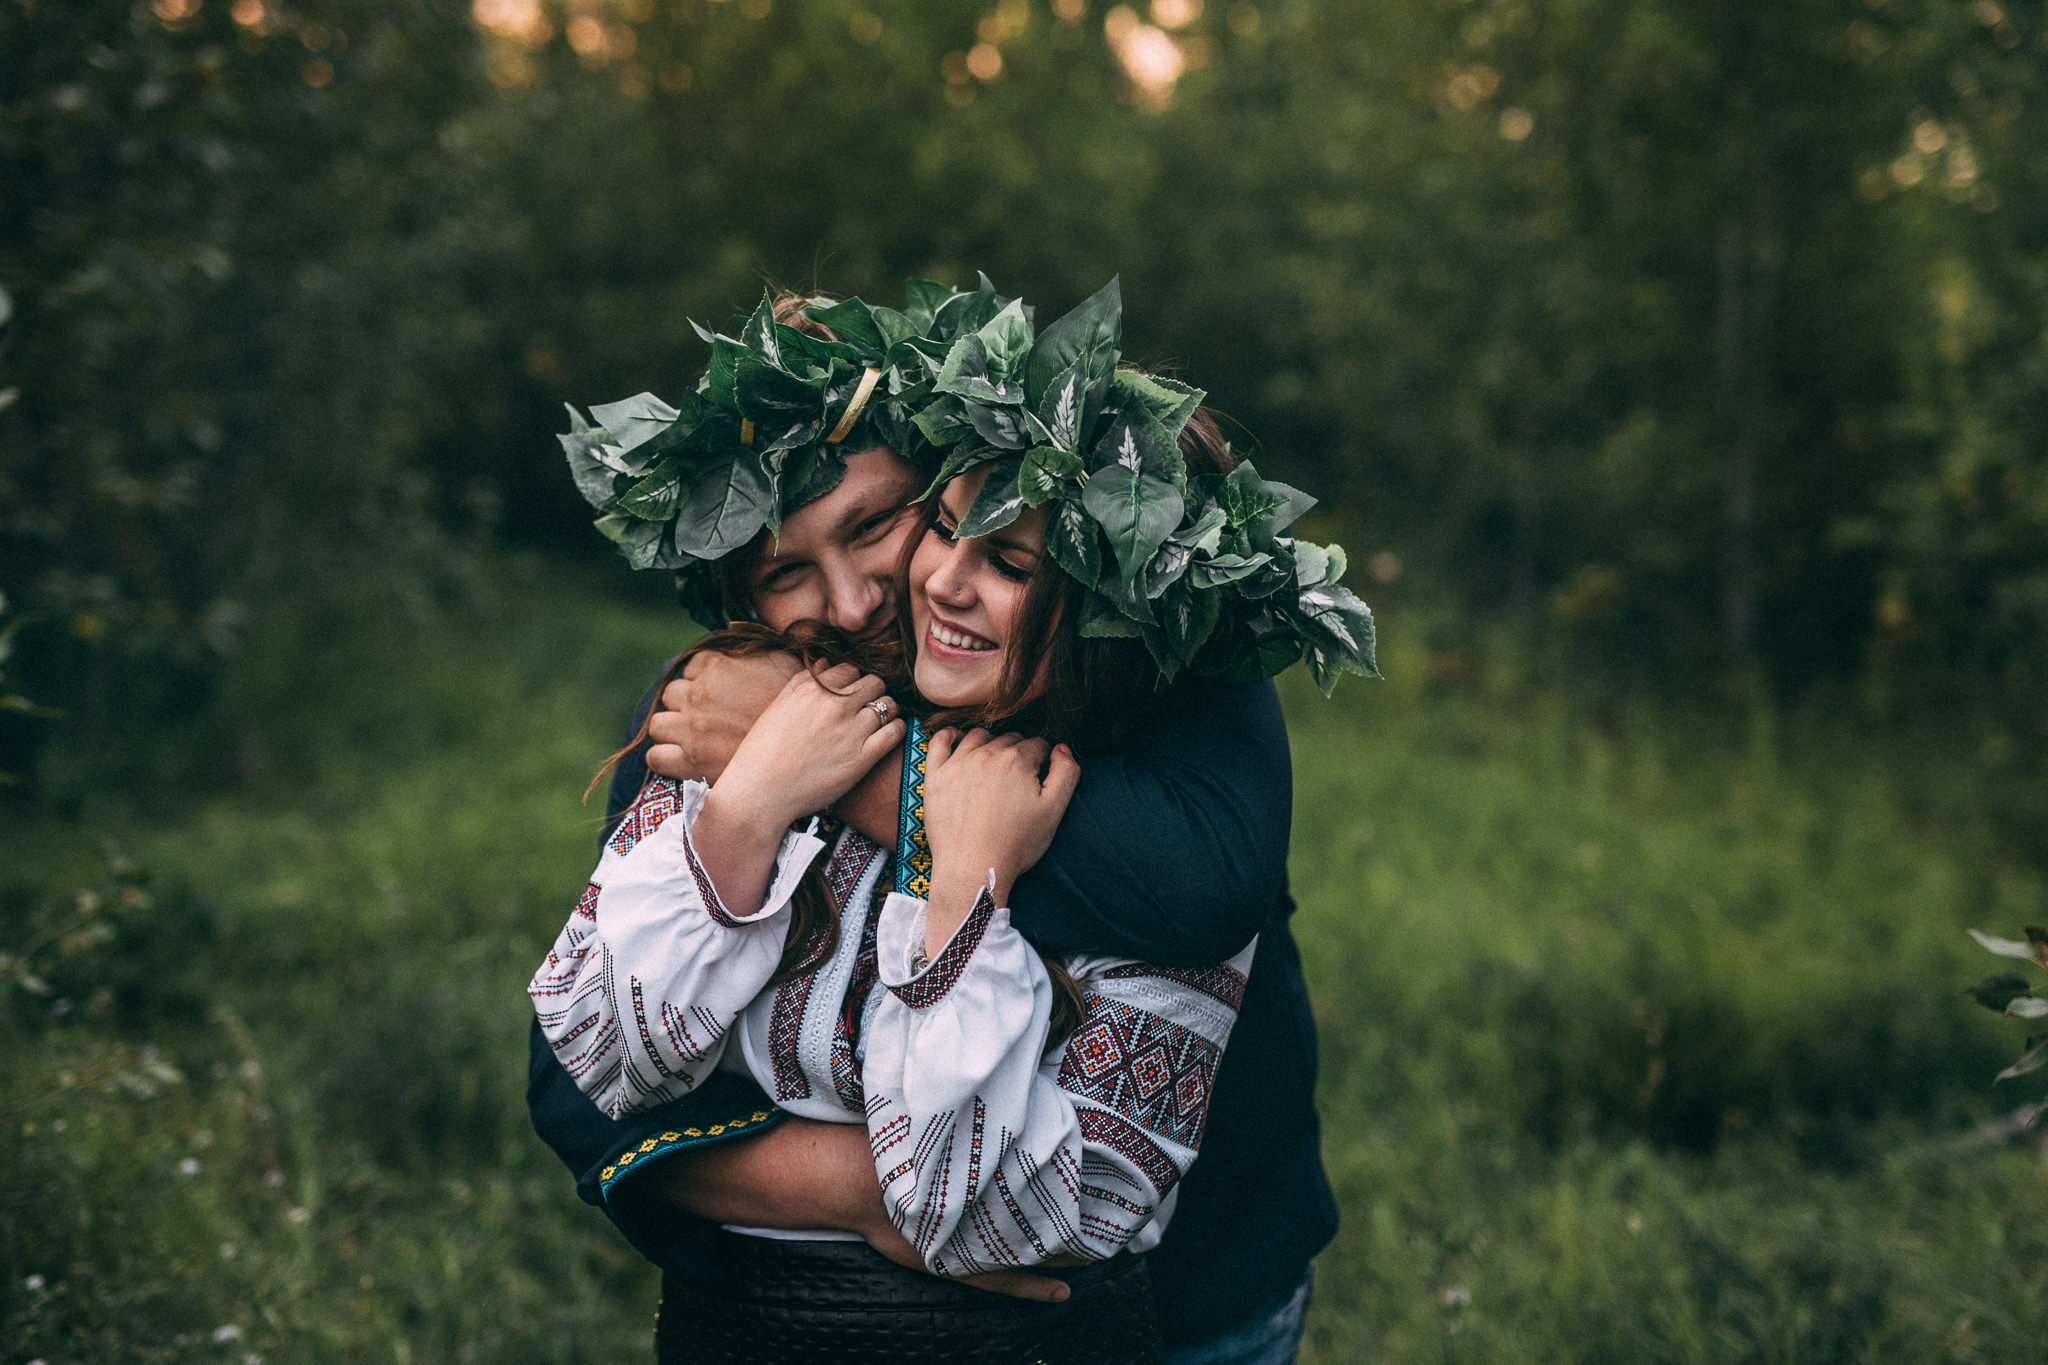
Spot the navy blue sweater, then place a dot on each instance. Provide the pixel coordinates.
(1174, 852)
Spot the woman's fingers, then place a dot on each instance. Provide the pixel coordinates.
(938, 747)
(969, 742)
(863, 688)
(1062, 774)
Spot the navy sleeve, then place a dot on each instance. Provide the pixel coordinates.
(612, 1158)
(1173, 851)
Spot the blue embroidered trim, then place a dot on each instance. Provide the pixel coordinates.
(913, 853)
(679, 1139)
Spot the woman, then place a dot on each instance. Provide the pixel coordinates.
(999, 1139)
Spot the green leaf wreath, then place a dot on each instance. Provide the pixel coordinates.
(765, 429)
(1198, 568)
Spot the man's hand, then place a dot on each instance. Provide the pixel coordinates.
(707, 712)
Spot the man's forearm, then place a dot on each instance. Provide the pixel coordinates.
(871, 806)
(799, 1174)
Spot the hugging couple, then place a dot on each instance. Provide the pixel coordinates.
(941, 917)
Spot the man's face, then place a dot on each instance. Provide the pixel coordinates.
(836, 558)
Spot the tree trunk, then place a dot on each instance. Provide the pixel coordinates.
(1749, 255)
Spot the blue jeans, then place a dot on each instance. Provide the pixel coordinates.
(1271, 1339)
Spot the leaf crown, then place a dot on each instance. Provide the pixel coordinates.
(1195, 567)
(766, 428)
(1198, 568)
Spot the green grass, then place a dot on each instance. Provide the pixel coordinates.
(1642, 1039)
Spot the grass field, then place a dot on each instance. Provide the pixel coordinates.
(1642, 1037)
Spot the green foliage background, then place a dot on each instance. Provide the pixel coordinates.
(1675, 373)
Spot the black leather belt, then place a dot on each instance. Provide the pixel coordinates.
(846, 1302)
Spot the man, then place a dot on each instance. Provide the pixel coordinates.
(1173, 853)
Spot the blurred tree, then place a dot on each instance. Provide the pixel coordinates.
(1706, 337)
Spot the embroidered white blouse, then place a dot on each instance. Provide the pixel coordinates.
(991, 1151)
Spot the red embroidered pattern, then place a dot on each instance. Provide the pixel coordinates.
(1224, 983)
(785, 1023)
(849, 864)
(1112, 1133)
(646, 1034)
(658, 800)
(681, 1039)
(1149, 1069)
(846, 1032)
(709, 893)
(932, 984)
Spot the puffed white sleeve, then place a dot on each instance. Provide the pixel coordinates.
(993, 1153)
(647, 977)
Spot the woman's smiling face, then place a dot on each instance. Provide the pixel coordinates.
(966, 597)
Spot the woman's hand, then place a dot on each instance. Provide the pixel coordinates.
(987, 812)
(816, 739)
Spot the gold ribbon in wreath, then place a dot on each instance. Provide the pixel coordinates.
(852, 413)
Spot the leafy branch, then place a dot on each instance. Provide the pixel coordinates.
(2011, 993)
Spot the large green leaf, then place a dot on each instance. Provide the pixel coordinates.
(721, 374)
(1214, 573)
(922, 301)
(1059, 407)
(2033, 1059)
(2004, 947)
(1126, 598)
(634, 421)
(638, 540)
(895, 327)
(1342, 627)
(997, 504)
(1075, 543)
(1006, 340)
(1006, 428)
(956, 464)
(1187, 618)
(759, 334)
(944, 421)
(593, 476)
(814, 358)
(964, 313)
(856, 324)
(1204, 534)
(727, 507)
(1046, 470)
(1311, 564)
(1089, 338)
(1166, 569)
(655, 497)
(968, 374)
(768, 393)
(1138, 443)
(1997, 991)
(1137, 512)
(1167, 401)
(1100, 620)
(809, 475)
